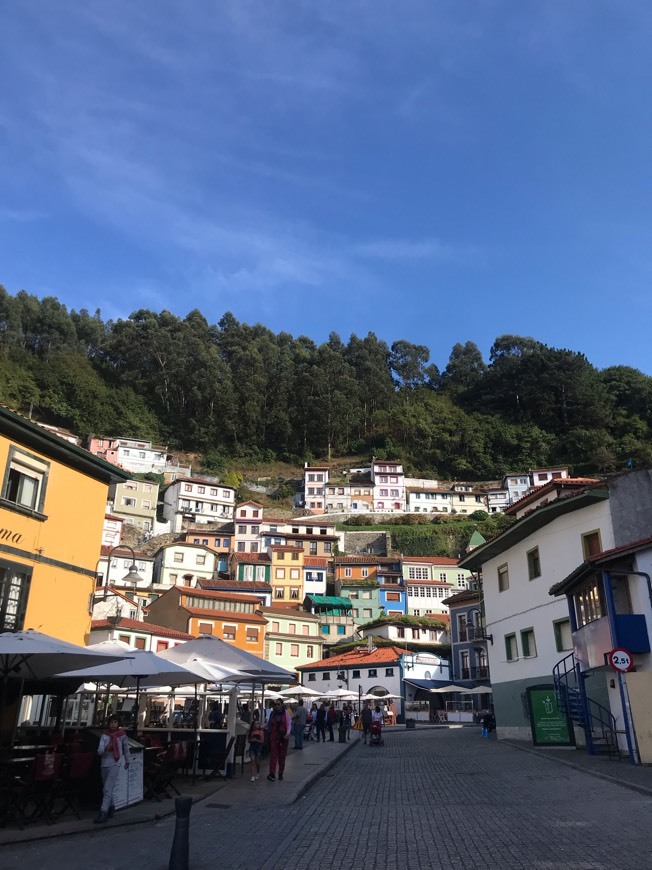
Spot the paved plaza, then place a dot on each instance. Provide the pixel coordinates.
(435, 798)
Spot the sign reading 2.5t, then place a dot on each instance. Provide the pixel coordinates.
(620, 660)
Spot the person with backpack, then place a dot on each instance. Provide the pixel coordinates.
(278, 728)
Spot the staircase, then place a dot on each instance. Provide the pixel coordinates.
(596, 721)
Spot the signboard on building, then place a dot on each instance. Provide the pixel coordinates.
(550, 725)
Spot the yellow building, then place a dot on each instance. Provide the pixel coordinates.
(287, 574)
(52, 506)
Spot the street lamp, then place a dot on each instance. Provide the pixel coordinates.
(131, 577)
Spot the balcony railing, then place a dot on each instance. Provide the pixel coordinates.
(481, 673)
(477, 632)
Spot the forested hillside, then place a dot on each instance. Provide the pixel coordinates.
(230, 389)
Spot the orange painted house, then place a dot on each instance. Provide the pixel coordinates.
(232, 617)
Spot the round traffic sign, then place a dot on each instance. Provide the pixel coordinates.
(621, 660)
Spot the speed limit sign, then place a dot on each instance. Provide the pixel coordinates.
(621, 660)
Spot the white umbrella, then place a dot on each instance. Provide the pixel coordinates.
(140, 669)
(340, 694)
(217, 652)
(299, 692)
(32, 655)
(480, 690)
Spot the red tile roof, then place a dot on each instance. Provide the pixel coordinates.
(380, 656)
(251, 557)
(212, 596)
(233, 585)
(144, 627)
(559, 483)
(315, 561)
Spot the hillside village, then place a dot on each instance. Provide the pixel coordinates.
(542, 600)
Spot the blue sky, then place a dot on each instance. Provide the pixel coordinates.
(432, 171)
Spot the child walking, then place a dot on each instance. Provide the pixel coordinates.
(255, 738)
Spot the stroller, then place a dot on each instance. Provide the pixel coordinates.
(376, 738)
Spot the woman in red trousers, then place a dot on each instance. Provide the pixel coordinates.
(279, 728)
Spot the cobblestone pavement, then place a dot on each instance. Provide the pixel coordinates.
(431, 799)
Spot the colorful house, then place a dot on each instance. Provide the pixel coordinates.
(181, 564)
(292, 637)
(48, 555)
(234, 618)
(287, 574)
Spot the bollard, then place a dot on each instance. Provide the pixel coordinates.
(180, 852)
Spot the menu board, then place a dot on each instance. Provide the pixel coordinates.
(129, 785)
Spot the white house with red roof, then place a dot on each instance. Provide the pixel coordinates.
(247, 527)
(183, 564)
(389, 486)
(136, 634)
(195, 500)
(377, 670)
(112, 530)
(431, 579)
(315, 479)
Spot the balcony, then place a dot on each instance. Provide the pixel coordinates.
(481, 673)
(476, 632)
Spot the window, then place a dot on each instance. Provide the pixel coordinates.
(280, 557)
(389, 672)
(279, 592)
(341, 629)
(326, 675)
(279, 649)
(254, 546)
(25, 480)
(372, 673)
(310, 651)
(355, 612)
(242, 530)
(418, 573)
(313, 548)
(279, 573)
(294, 592)
(147, 505)
(364, 572)
(528, 644)
(178, 557)
(533, 563)
(140, 643)
(393, 596)
(14, 590)
(325, 629)
(511, 649)
(200, 559)
(400, 632)
(367, 612)
(129, 502)
(294, 573)
(366, 594)
(563, 634)
(589, 603)
(294, 650)
(305, 629)
(252, 635)
(161, 645)
(228, 632)
(124, 638)
(348, 572)
(201, 489)
(591, 544)
(503, 578)
(241, 546)
(312, 678)
(206, 628)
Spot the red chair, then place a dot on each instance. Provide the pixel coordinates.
(74, 781)
(37, 797)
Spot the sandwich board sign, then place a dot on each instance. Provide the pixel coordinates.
(550, 725)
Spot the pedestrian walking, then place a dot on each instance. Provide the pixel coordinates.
(279, 728)
(488, 724)
(313, 716)
(320, 719)
(114, 755)
(255, 739)
(366, 719)
(299, 724)
(347, 720)
(331, 718)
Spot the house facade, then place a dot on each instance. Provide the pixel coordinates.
(286, 574)
(335, 613)
(135, 502)
(292, 637)
(180, 564)
(111, 570)
(48, 556)
(431, 579)
(136, 634)
(528, 629)
(111, 530)
(315, 479)
(389, 486)
(468, 634)
(192, 501)
(235, 619)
